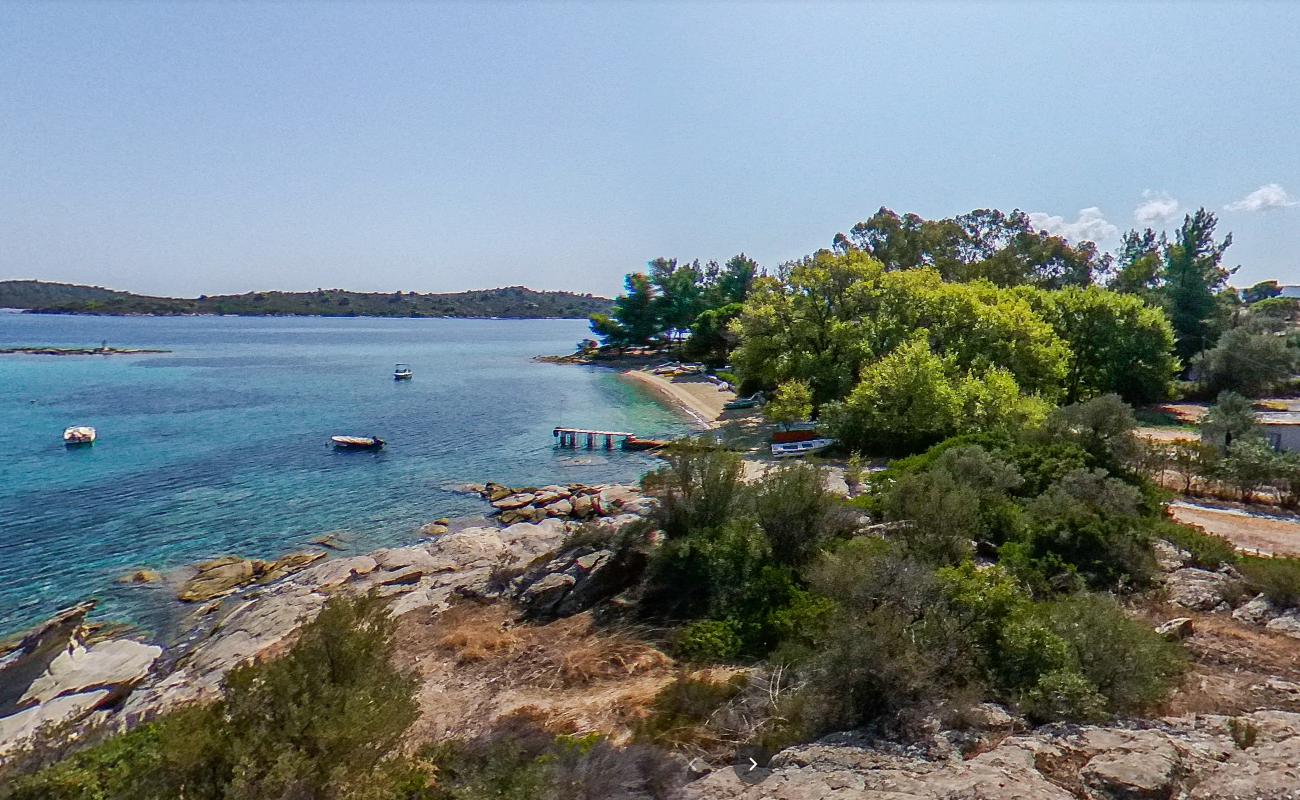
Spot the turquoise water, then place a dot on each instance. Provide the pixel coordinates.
(221, 446)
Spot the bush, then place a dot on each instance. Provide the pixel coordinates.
(681, 709)
(700, 488)
(798, 513)
(1064, 695)
(1207, 550)
(709, 640)
(1277, 578)
(792, 402)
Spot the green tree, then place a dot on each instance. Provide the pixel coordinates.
(636, 317)
(791, 402)
(680, 296)
(1252, 364)
(1230, 418)
(1118, 344)
(1192, 276)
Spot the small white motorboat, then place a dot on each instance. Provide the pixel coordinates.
(357, 442)
(79, 435)
(402, 372)
(796, 449)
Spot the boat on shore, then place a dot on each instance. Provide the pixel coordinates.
(357, 442)
(402, 372)
(755, 399)
(797, 449)
(636, 443)
(79, 435)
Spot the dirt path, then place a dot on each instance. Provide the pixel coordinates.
(1275, 534)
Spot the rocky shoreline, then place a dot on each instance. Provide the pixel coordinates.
(60, 675)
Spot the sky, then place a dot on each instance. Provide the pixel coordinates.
(186, 148)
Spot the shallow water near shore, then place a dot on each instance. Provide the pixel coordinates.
(221, 446)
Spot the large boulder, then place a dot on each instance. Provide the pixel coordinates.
(219, 576)
(1197, 589)
(1287, 623)
(1258, 611)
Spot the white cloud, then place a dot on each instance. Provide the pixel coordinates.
(1270, 195)
(1157, 207)
(1091, 225)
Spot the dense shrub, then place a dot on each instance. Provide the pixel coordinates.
(1277, 578)
(1254, 364)
(798, 513)
(1207, 550)
(700, 488)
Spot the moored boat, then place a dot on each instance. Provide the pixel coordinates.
(402, 372)
(357, 442)
(79, 435)
(796, 449)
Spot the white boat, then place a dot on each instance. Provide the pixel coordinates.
(796, 449)
(357, 442)
(79, 434)
(402, 372)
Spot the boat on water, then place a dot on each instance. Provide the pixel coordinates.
(755, 399)
(402, 372)
(357, 442)
(797, 449)
(636, 443)
(78, 435)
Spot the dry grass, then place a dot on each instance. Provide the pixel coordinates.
(479, 663)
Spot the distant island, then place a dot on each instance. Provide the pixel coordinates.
(40, 297)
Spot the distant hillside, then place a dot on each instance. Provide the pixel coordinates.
(511, 301)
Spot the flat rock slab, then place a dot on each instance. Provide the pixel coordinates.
(115, 665)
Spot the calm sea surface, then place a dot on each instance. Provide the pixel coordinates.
(221, 446)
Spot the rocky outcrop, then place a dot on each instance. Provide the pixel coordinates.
(55, 677)
(1198, 589)
(1197, 758)
(574, 501)
(261, 624)
(222, 576)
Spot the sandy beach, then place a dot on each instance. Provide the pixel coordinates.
(695, 396)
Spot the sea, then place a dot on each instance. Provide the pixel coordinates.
(222, 445)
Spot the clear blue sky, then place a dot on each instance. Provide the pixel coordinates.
(186, 148)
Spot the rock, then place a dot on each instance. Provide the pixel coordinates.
(140, 576)
(406, 558)
(115, 666)
(433, 529)
(1197, 589)
(443, 521)
(18, 728)
(544, 595)
(494, 492)
(220, 576)
(32, 655)
(1168, 556)
(514, 515)
(560, 508)
(514, 501)
(287, 565)
(536, 514)
(1176, 629)
(1143, 775)
(1257, 611)
(1287, 623)
(583, 506)
(331, 541)
(336, 571)
(988, 716)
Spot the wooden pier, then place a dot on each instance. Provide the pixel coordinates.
(569, 437)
